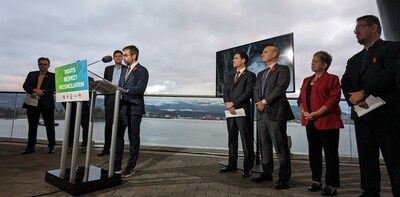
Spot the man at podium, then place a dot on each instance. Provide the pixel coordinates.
(134, 80)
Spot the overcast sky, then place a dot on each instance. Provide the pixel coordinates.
(177, 39)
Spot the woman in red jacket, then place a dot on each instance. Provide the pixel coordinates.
(319, 104)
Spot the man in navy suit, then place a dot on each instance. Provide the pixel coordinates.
(40, 85)
(134, 80)
(375, 71)
(238, 90)
(273, 113)
(111, 73)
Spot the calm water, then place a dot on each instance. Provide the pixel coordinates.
(184, 133)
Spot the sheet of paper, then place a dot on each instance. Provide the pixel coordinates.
(239, 113)
(373, 103)
(31, 101)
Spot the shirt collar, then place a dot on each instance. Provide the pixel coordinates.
(118, 67)
(241, 70)
(372, 46)
(271, 65)
(133, 65)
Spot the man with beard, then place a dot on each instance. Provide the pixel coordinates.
(375, 71)
(134, 80)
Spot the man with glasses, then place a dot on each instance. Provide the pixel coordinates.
(40, 85)
(372, 71)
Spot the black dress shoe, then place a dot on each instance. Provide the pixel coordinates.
(329, 191)
(69, 150)
(246, 173)
(262, 178)
(228, 169)
(117, 170)
(103, 153)
(27, 151)
(51, 151)
(370, 194)
(282, 184)
(315, 187)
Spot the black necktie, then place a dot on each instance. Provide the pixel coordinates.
(236, 77)
(364, 60)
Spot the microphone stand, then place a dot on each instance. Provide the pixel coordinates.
(93, 63)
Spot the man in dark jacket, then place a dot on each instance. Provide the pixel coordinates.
(375, 71)
(134, 80)
(273, 113)
(40, 85)
(238, 91)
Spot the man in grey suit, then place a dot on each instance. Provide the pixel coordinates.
(238, 90)
(134, 79)
(273, 112)
(111, 73)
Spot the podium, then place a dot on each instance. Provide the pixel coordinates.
(87, 178)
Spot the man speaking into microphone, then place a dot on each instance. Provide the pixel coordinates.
(134, 79)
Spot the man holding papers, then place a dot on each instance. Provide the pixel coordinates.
(40, 85)
(370, 76)
(238, 90)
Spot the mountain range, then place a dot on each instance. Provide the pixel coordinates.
(166, 107)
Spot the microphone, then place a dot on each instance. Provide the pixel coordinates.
(105, 59)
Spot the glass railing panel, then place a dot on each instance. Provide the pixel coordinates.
(297, 132)
(7, 114)
(193, 122)
(184, 122)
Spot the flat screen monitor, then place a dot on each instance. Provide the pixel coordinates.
(255, 64)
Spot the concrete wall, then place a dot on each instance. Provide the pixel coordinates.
(389, 15)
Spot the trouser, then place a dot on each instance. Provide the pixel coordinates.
(328, 140)
(85, 114)
(109, 117)
(273, 133)
(133, 123)
(236, 125)
(374, 133)
(33, 114)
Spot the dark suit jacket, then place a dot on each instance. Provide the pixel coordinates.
(241, 92)
(377, 78)
(46, 102)
(325, 92)
(108, 74)
(135, 84)
(277, 107)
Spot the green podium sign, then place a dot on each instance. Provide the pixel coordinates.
(72, 82)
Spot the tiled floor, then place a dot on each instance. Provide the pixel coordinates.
(162, 173)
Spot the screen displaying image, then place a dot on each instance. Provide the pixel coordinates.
(255, 64)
